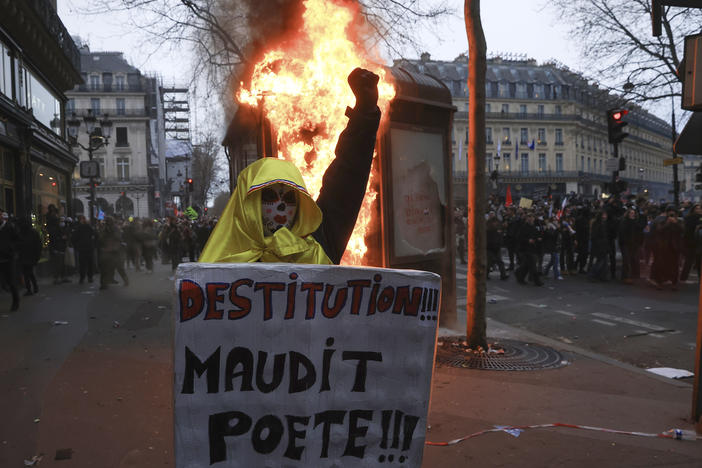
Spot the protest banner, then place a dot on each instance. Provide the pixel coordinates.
(289, 365)
(525, 202)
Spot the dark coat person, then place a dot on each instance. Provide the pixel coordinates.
(9, 239)
(29, 255)
(528, 238)
(667, 248)
(84, 243)
(630, 240)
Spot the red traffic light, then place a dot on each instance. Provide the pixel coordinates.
(190, 181)
(617, 115)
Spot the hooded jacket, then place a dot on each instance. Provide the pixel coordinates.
(238, 236)
(322, 229)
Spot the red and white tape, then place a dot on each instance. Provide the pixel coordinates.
(677, 434)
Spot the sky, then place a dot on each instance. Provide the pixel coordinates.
(510, 26)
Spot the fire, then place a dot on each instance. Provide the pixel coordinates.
(302, 89)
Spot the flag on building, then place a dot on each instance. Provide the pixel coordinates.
(531, 145)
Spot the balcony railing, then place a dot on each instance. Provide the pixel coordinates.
(111, 88)
(46, 12)
(112, 112)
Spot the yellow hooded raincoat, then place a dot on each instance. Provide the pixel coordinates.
(238, 236)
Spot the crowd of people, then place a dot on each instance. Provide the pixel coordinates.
(576, 236)
(77, 248)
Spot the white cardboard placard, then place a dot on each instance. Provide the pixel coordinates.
(288, 365)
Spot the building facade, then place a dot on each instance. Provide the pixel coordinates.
(38, 63)
(546, 131)
(114, 88)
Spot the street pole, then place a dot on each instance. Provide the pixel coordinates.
(615, 174)
(676, 183)
(92, 185)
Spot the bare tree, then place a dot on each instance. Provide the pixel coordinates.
(220, 202)
(477, 242)
(619, 49)
(205, 166)
(228, 34)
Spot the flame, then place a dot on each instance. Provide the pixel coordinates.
(301, 88)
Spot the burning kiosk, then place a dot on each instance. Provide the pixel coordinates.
(411, 225)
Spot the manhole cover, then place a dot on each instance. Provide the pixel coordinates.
(517, 356)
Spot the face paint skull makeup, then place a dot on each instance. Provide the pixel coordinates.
(278, 207)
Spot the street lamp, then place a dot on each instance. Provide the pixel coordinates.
(98, 136)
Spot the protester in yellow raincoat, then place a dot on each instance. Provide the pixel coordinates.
(271, 217)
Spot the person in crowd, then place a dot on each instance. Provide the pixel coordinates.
(582, 237)
(460, 225)
(58, 243)
(528, 237)
(131, 239)
(630, 240)
(149, 243)
(110, 244)
(667, 248)
(599, 247)
(494, 246)
(552, 245)
(692, 238)
(84, 242)
(29, 254)
(172, 240)
(568, 241)
(514, 223)
(9, 241)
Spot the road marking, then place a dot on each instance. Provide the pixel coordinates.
(538, 306)
(635, 323)
(498, 297)
(461, 276)
(603, 322)
(569, 314)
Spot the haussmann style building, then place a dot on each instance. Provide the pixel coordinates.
(546, 131)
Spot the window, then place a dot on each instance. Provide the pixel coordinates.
(505, 108)
(503, 89)
(523, 136)
(521, 91)
(487, 108)
(588, 165)
(542, 162)
(70, 106)
(559, 136)
(121, 133)
(600, 166)
(467, 132)
(488, 135)
(558, 110)
(94, 82)
(95, 106)
(488, 162)
(5, 71)
(542, 136)
(540, 111)
(588, 142)
(505, 158)
(101, 162)
(120, 106)
(505, 135)
(538, 91)
(525, 162)
(522, 110)
(559, 162)
(123, 169)
(582, 163)
(119, 82)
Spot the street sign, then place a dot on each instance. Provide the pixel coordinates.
(89, 169)
(612, 164)
(672, 161)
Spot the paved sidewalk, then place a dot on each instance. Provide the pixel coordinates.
(592, 390)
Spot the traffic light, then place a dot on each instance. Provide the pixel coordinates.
(622, 164)
(616, 124)
(190, 184)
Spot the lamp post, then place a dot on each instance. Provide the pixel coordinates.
(98, 136)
